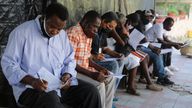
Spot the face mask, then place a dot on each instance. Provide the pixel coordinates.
(106, 30)
(45, 27)
(130, 27)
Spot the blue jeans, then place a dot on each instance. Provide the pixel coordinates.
(115, 66)
(157, 61)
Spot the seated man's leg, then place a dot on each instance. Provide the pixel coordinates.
(106, 89)
(157, 61)
(37, 99)
(85, 95)
(158, 67)
(114, 66)
(131, 64)
(109, 91)
(100, 86)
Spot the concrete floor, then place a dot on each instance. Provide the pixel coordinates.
(177, 96)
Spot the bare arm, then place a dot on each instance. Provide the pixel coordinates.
(118, 39)
(95, 65)
(111, 52)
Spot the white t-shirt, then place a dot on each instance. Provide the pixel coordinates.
(148, 26)
(155, 32)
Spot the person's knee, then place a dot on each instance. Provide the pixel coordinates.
(51, 98)
(113, 65)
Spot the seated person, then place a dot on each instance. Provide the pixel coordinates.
(152, 51)
(80, 37)
(107, 29)
(43, 44)
(127, 49)
(108, 23)
(157, 34)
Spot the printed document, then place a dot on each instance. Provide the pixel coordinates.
(135, 37)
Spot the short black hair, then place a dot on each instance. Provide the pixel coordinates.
(109, 16)
(133, 17)
(56, 9)
(168, 21)
(90, 17)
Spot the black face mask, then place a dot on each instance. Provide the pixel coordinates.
(106, 30)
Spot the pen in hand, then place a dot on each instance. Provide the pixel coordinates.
(40, 84)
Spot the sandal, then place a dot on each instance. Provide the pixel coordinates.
(133, 92)
(153, 87)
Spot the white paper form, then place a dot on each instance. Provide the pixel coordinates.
(54, 83)
(119, 76)
(186, 43)
(158, 45)
(164, 51)
(135, 37)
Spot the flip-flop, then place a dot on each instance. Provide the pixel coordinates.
(133, 92)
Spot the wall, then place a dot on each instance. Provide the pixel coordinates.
(78, 7)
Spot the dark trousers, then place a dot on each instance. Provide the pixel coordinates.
(167, 59)
(85, 95)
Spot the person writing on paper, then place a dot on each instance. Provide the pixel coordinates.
(43, 44)
(158, 34)
(80, 37)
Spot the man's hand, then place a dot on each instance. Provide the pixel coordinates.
(39, 84)
(98, 57)
(156, 50)
(66, 81)
(177, 46)
(99, 76)
(104, 71)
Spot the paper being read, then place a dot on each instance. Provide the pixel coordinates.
(164, 51)
(158, 45)
(119, 76)
(135, 37)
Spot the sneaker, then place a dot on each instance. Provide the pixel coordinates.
(168, 81)
(164, 81)
(173, 69)
(154, 87)
(168, 72)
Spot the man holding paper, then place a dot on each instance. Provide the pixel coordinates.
(39, 51)
(157, 34)
(80, 37)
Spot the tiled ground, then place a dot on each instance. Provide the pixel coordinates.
(178, 96)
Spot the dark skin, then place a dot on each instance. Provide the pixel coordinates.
(111, 26)
(165, 41)
(153, 48)
(143, 64)
(53, 26)
(90, 29)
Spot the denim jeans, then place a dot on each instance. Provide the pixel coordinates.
(157, 60)
(115, 66)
